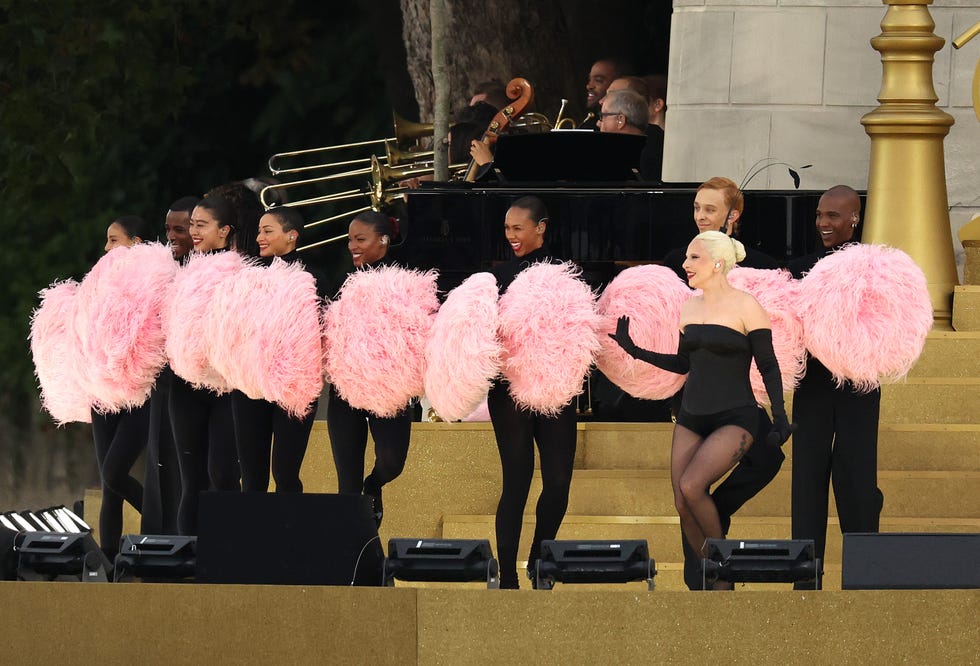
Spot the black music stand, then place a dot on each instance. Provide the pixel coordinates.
(568, 155)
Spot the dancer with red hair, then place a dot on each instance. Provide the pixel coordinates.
(721, 331)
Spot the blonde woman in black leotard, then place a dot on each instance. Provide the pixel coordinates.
(721, 330)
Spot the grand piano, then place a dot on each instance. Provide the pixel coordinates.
(457, 228)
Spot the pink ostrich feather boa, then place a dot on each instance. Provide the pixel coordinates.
(549, 328)
(53, 345)
(119, 325)
(778, 293)
(375, 335)
(463, 354)
(268, 320)
(188, 308)
(652, 297)
(866, 313)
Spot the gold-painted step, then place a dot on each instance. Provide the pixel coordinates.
(949, 354)
(662, 533)
(932, 400)
(648, 492)
(915, 446)
(966, 308)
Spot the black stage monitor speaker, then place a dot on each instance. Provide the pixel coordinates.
(61, 556)
(594, 562)
(450, 560)
(910, 561)
(152, 557)
(761, 561)
(287, 539)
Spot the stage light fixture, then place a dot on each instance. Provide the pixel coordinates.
(761, 561)
(444, 560)
(592, 561)
(61, 556)
(160, 558)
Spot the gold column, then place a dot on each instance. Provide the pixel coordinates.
(907, 205)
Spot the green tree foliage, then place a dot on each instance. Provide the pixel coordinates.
(116, 107)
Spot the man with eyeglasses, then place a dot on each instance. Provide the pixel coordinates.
(627, 112)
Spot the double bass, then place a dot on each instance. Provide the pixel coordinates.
(518, 89)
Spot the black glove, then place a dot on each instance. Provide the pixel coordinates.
(622, 335)
(781, 430)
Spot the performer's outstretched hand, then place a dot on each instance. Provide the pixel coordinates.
(622, 335)
(782, 429)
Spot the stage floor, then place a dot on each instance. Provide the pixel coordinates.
(84, 623)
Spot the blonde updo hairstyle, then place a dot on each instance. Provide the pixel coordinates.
(722, 248)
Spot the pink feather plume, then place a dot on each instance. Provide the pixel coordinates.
(268, 320)
(53, 346)
(376, 333)
(866, 313)
(652, 297)
(778, 293)
(119, 326)
(463, 354)
(188, 307)
(549, 329)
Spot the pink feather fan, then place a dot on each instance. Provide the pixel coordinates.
(189, 304)
(53, 346)
(268, 322)
(549, 329)
(376, 333)
(866, 313)
(652, 297)
(463, 354)
(778, 293)
(118, 322)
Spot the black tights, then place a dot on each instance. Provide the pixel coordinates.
(696, 462)
(516, 432)
(119, 439)
(205, 438)
(257, 424)
(348, 430)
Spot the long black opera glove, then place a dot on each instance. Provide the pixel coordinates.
(765, 359)
(679, 363)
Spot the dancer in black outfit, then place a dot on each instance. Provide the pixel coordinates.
(259, 423)
(518, 430)
(120, 437)
(161, 477)
(718, 206)
(203, 429)
(370, 234)
(722, 330)
(838, 437)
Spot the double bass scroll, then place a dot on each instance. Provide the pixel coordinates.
(518, 89)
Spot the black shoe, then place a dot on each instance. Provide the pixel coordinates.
(377, 508)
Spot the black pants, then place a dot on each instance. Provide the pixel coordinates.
(348, 430)
(204, 434)
(758, 467)
(837, 440)
(161, 477)
(119, 439)
(257, 424)
(516, 432)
